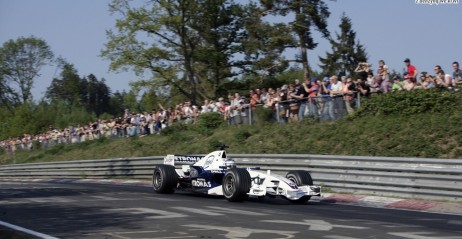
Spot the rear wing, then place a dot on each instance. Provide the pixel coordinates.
(182, 159)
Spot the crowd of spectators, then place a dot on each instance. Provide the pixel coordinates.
(328, 98)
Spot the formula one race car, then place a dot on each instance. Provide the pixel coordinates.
(216, 174)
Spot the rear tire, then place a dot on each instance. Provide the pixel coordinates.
(300, 178)
(164, 178)
(236, 184)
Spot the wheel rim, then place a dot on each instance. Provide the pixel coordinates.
(229, 184)
(292, 179)
(157, 180)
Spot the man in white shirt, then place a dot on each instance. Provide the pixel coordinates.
(337, 97)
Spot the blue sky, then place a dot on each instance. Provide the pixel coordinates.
(389, 29)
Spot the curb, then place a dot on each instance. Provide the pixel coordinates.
(331, 198)
(394, 203)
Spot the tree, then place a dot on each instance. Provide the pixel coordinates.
(189, 45)
(21, 61)
(8, 97)
(116, 103)
(68, 88)
(97, 94)
(346, 51)
(263, 45)
(308, 14)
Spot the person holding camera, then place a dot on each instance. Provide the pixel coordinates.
(362, 87)
(362, 70)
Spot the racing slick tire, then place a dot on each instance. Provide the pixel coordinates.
(236, 184)
(300, 178)
(164, 178)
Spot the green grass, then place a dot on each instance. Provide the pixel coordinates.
(396, 133)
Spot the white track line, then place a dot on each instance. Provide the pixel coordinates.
(27, 231)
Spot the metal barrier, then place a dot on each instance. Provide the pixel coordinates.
(421, 178)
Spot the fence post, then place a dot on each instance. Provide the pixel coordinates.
(250, 115)
(278, 120)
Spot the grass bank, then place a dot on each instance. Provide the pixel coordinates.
(425, 124)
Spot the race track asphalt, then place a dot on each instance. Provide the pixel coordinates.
(129, 209)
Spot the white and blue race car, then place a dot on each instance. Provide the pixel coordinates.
(216, 174)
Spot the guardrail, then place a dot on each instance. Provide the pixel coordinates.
(421, 178)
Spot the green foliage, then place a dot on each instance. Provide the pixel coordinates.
(242, 134)
(263, 115)
(175, 127)
(411, 102)
(210, 120)
(207, 122)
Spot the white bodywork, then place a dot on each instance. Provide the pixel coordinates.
(263, 182)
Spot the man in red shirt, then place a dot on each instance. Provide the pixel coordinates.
(411, 70)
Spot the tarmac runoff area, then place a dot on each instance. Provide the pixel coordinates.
(334, 198)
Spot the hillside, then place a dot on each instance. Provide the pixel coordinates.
(404, 124)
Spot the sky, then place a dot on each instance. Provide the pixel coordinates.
(391, 30)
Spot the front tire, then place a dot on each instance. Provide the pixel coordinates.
(236, 184)
(300, 178)
(164, 178)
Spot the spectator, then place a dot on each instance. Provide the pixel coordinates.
(254, 101)
(294, 105)
(362, 70)
(411, 70)
(264, 96)
(363, 88)
(408, 83)
(428, 83)
(134, 125)
(312, 95)
(375, 84)
(348, 91)
(205, 108)
(244, 108)
(326, 104)
(383, 70)
(385, 86)
(445, 80)
(234, 116)
(337, 95)
(187, 113)
(423, 76)
(457, 74)
(397, 84)
(370, 79)
(300, 95)
(283, 104)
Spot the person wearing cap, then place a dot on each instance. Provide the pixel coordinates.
(411, 70)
